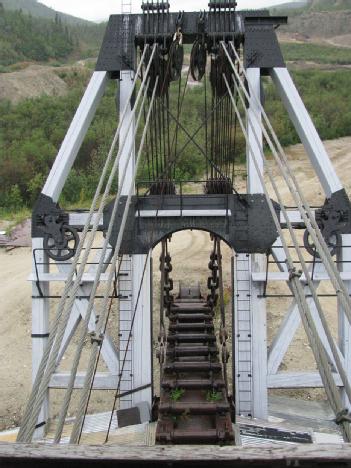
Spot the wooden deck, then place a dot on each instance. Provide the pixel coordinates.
(68, 456)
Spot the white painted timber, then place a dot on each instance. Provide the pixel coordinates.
(125, 321)
(40, 325)
(292, 319)
(283, 338)
(108, 351)
(254, 132)
(185, 213)
(80, 219)
(243, 334)
(306, 130)
(294, 217)
(125, 86)
(257, 262)
(344, 325)
(260, 276)
(298, 380)
(259, 343)
(290, 323)
(142, 346)
(58, 277)
(75, 135)
(102, 381)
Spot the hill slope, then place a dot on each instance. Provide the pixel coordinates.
(305, 6)
(40, 11)
(37, 33)
(25, 38)
(317, 19)
(329, 5)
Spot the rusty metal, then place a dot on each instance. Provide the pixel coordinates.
(194, 407)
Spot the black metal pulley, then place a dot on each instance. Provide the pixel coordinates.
(333, 242)
(198, 60)
(176, 59)
(176, 56)
(60, 240)
(220, 68)
(158, 68)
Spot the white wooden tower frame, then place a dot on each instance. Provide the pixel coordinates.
(256, 367)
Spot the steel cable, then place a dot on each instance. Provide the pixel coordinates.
(48, 363)
(311, 331)
(299, 198)
(306, 272)
(99, 327)
(80, 346)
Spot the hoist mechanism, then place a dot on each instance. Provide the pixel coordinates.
(208, 372)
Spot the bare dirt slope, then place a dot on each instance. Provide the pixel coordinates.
(32, 82)
(319, 23)
(190, 253)
(37, 80)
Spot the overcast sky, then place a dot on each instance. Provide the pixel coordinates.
(99, 10)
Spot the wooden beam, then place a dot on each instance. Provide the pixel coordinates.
(30, 455)
(102, 381)
(261, 276)
(298, 380)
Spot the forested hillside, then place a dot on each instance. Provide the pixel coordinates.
(39, 10)
(32, 131)
(27, 37)
(23, 37)
(309, 6)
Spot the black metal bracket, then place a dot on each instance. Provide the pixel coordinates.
(50, 222)
(255, 29)
(245, 227)
(333, 219)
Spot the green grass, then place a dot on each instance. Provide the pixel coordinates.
(176, 394)
(214, 396)
(316, 53)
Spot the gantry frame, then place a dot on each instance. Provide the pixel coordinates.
(255, 370)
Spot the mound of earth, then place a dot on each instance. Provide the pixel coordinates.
(322, 23)
(32, 82)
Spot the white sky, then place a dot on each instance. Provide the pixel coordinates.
(99, 10)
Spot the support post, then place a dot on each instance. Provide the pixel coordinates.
(142, 352)
(258, 261)
(306, 131)
(75, 136)
(137, 369)
(344, 326)
(40, 324)
(250, 310)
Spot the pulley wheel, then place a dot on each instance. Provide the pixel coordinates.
(66, 248)
(176, 59)
(198, 59)
(333, 243)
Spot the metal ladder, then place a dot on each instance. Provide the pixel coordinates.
(243, 334)
(126, 7)
(125, 322)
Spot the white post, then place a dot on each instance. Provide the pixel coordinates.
(40, 324)
(75, 136)
(344, 325)
(258, 261)
(142, 372)
(306, 131)
(126, 85)
(137, 369)
(253, 182)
